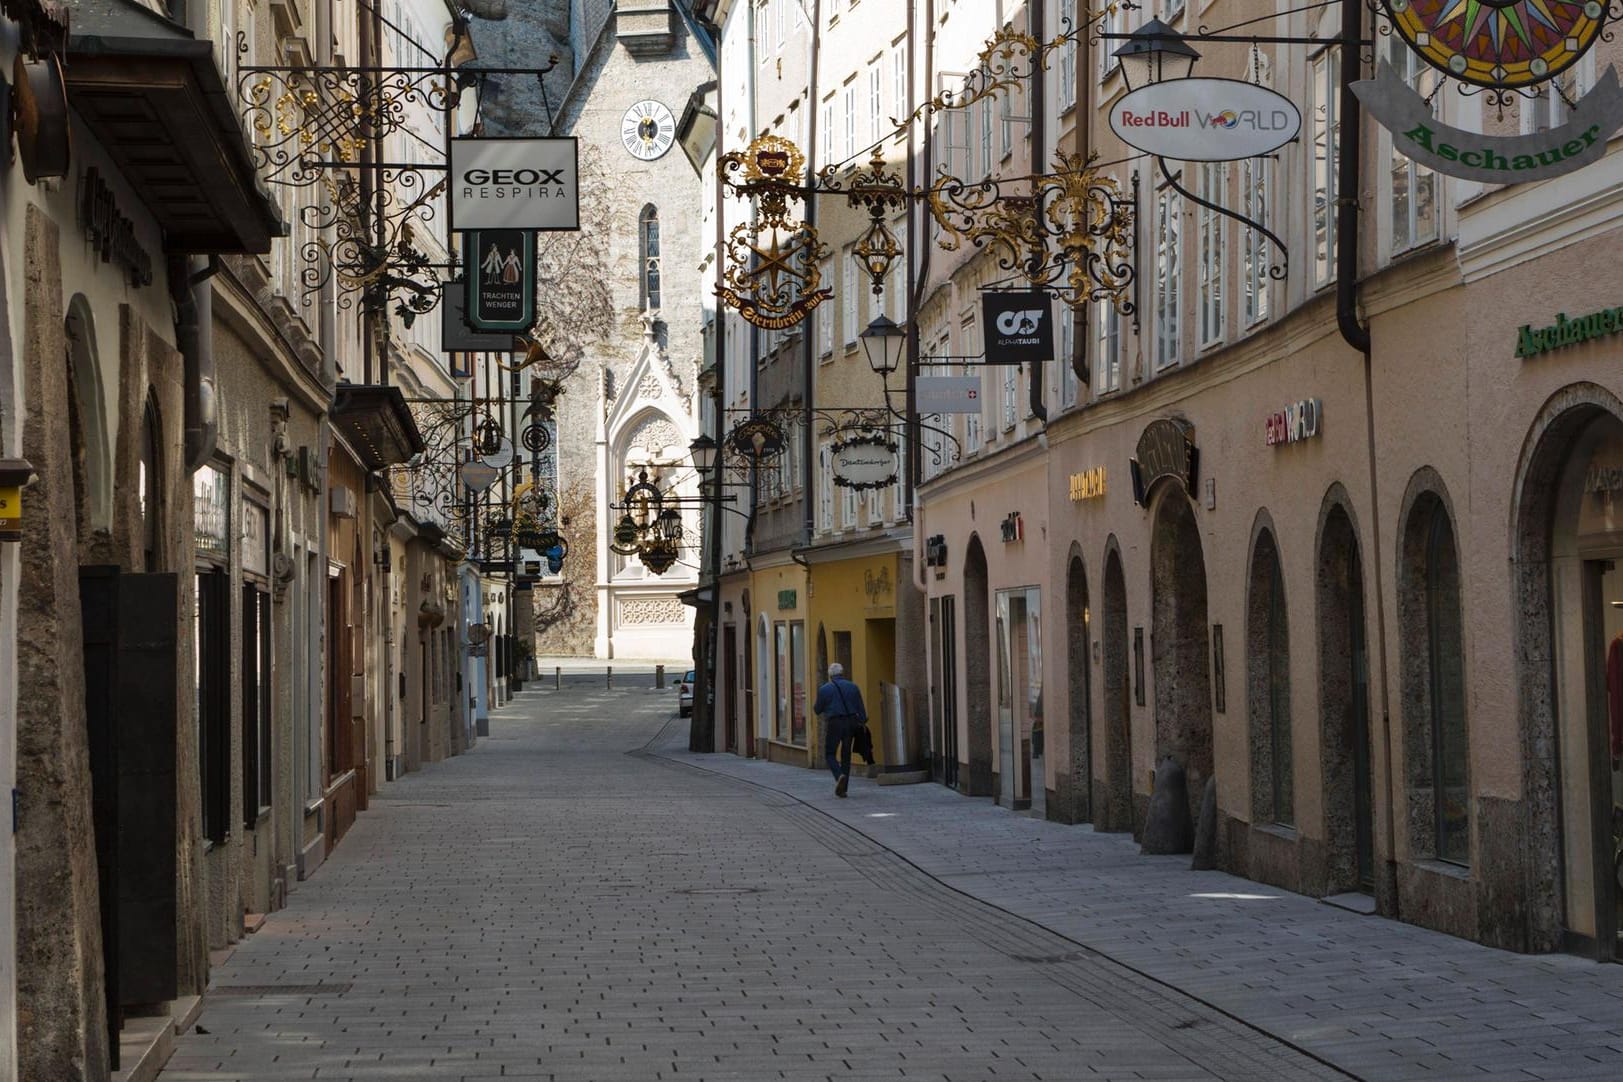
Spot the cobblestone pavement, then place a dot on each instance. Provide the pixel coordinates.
(1377, 998)
(549, 906)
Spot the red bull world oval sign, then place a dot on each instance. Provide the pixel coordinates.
(1205, 120)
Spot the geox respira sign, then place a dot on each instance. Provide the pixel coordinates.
(1019, 327)
(515, 184)
(1531, 341)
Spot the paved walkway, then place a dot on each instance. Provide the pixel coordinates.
(550, 906)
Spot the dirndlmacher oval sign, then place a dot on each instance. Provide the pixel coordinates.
(1205, 120)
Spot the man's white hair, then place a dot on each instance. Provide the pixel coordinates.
(836, 669)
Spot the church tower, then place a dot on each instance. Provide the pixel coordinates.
(629, 283)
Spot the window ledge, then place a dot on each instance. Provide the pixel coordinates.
(1445, 868)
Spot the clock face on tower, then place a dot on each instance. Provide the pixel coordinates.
(648, 130)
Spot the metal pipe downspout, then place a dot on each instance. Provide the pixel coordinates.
(918, 275)
(1036, 378)
(194, 313)
(808, 351)
(1356, 334)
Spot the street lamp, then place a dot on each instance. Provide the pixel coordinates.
(884, 342)
(1155, 52)
(703, 451)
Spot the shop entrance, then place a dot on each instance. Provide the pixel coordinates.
(978, 659)
(1586, 597)
(1078, 624)
(947, 666)
(1344, 697)
(1020, 699)
(1180, 643)
(729, 654)
(1115, 812)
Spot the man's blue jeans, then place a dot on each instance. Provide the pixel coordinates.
(837, 737)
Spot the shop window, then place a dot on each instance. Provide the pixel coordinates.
(256, 701)
(780, 643)
(211, 651)
(1436, 743)
(797, 682)
(1268, 680)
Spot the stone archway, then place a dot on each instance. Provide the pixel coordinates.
(979, 779)
(1543, 491)
(1345, 751)
(1113, 809)
(1180, 642)
(1074, 782)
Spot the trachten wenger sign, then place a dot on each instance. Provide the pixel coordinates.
(1509, 159)
(1019, 327)
(501, 280)
(455, 334)
(515, 184)
(866, 461)
(947, 394)
(1205, 120)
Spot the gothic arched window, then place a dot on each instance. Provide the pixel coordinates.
(648, 232)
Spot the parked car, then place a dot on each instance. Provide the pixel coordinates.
(684, 693)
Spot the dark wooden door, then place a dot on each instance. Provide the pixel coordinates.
(730, 688)
(131, 626)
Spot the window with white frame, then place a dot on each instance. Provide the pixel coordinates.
(1011, 394)
(848, 507)
(782, 20)
(1213, 188)
(972, 421)
(1114, 22)
(1326, 135)
(849, 296)
(1414, 187)
(1171, 9)
(983, 113)
(1067, 61)
(876, 104)
(876, 507)
(898, 502)
(825, 313)
(1255, 203)
(1065, 355)
(849, 101)
(1168, 276)
(763, 25)
(834, 9)
(827, 134)
(1107, 368)
(825, 488)
(898, 80)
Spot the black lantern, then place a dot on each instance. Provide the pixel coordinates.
(1153, 53)
(884, 342)
(703, 451)
(626, 535)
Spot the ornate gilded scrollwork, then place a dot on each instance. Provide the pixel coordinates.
(772, 275)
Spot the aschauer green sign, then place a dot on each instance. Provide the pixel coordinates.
(1532, 341)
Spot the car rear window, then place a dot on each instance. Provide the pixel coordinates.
(688, 678)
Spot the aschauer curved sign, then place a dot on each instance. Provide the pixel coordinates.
(1497, 159)
(1205, 120)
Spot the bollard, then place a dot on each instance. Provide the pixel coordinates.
(557, 678)
(608, 680)
(659, 676)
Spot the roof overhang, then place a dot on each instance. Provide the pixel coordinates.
(376, 422)
(152, 95)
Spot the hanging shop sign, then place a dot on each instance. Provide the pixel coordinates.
(477, 476)
(499, 183)
(865, 461)
(501, 280)
(1205, 120)
(455, 334)
(1019, 327)
(1088, 485)
(758, 440)
(1013, 528)
(111, 232)
(1165, 449)
(1532, 341)
(1499, 43)
(1509, 159)
(1296, 422)
(947, 394)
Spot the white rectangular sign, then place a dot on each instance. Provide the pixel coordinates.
(499, 183)
(947, 394)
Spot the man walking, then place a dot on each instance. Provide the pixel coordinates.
(839, 703)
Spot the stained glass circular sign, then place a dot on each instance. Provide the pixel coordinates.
(1499, 43)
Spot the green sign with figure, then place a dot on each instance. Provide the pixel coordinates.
(501, 280)
(787, 599)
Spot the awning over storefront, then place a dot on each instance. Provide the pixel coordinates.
(377, 423)
(152, 95)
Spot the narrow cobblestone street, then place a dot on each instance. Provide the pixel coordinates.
(579, 898)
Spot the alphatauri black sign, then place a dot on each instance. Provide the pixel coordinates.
(1019, 327)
